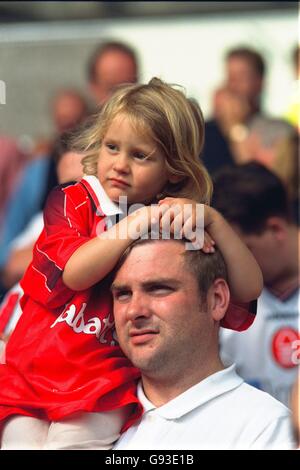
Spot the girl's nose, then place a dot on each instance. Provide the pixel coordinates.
(121, 163)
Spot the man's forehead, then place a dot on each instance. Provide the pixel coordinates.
(145, 282)
(159, 257)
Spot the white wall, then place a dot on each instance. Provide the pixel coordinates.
(37, 58)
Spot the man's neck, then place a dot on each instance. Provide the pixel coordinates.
(161, 389)
(287, 281)
(285, 286)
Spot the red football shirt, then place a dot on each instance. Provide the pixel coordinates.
(63, 356)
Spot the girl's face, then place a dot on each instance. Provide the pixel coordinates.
(130, 164)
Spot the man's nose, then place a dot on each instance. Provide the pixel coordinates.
(138, 307)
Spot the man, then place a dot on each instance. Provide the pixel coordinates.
(111, 64)
(254, 201)
(69, 109)
(168, 303)
(237, 105)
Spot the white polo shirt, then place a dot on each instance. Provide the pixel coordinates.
(220, 412)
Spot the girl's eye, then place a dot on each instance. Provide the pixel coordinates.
(111, 147)
(140, 156)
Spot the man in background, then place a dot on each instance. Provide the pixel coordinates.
(111, 64)
(255, 202)
(236, 109)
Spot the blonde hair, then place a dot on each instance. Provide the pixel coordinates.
(174, 122)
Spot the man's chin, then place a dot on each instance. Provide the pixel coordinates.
(144, 363)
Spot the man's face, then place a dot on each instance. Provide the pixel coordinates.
(112, 69)
(69, 167)
(69, 110)
(242, 79)
(160, 322)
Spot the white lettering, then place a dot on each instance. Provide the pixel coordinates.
(108, 325)
(78, 322)
(122, 460)
(296, 353)
(67, 316)
(94, 326)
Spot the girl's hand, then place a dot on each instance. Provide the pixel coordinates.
(182, 216)
(241, 264)
(143, 220)
(208, 245)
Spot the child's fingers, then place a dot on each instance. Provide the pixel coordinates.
(166, 200)
(167, 218)
(208, 238)
(208, 245)
(177, 225)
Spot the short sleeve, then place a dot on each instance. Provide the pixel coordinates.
(66, 228)
(239, 315)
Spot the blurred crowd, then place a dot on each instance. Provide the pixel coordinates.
(253, 160)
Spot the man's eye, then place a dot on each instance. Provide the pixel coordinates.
(161, 290)
(121, 296)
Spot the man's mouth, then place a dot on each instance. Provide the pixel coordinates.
(142, 336)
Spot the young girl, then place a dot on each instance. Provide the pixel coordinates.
(66, 384)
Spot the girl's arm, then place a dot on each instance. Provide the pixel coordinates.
(244, 275)
(93, 260)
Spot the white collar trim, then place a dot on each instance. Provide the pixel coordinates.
(104, 202)
(201, 393)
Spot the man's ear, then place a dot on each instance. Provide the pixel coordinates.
(218, 297)
(277, 226)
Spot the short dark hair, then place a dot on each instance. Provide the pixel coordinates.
(248, 195)
(206, 267)
(107, 47)
(252, 56)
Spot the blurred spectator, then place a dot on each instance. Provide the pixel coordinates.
(293, 112)
(12, 161)
(236, 109)
(69, 168)
(111, 64)
(39, 176)
(265, 136)
(69, 109)
(286, 166)
(255, 202)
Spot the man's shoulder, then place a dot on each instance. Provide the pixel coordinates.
(262, 402)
